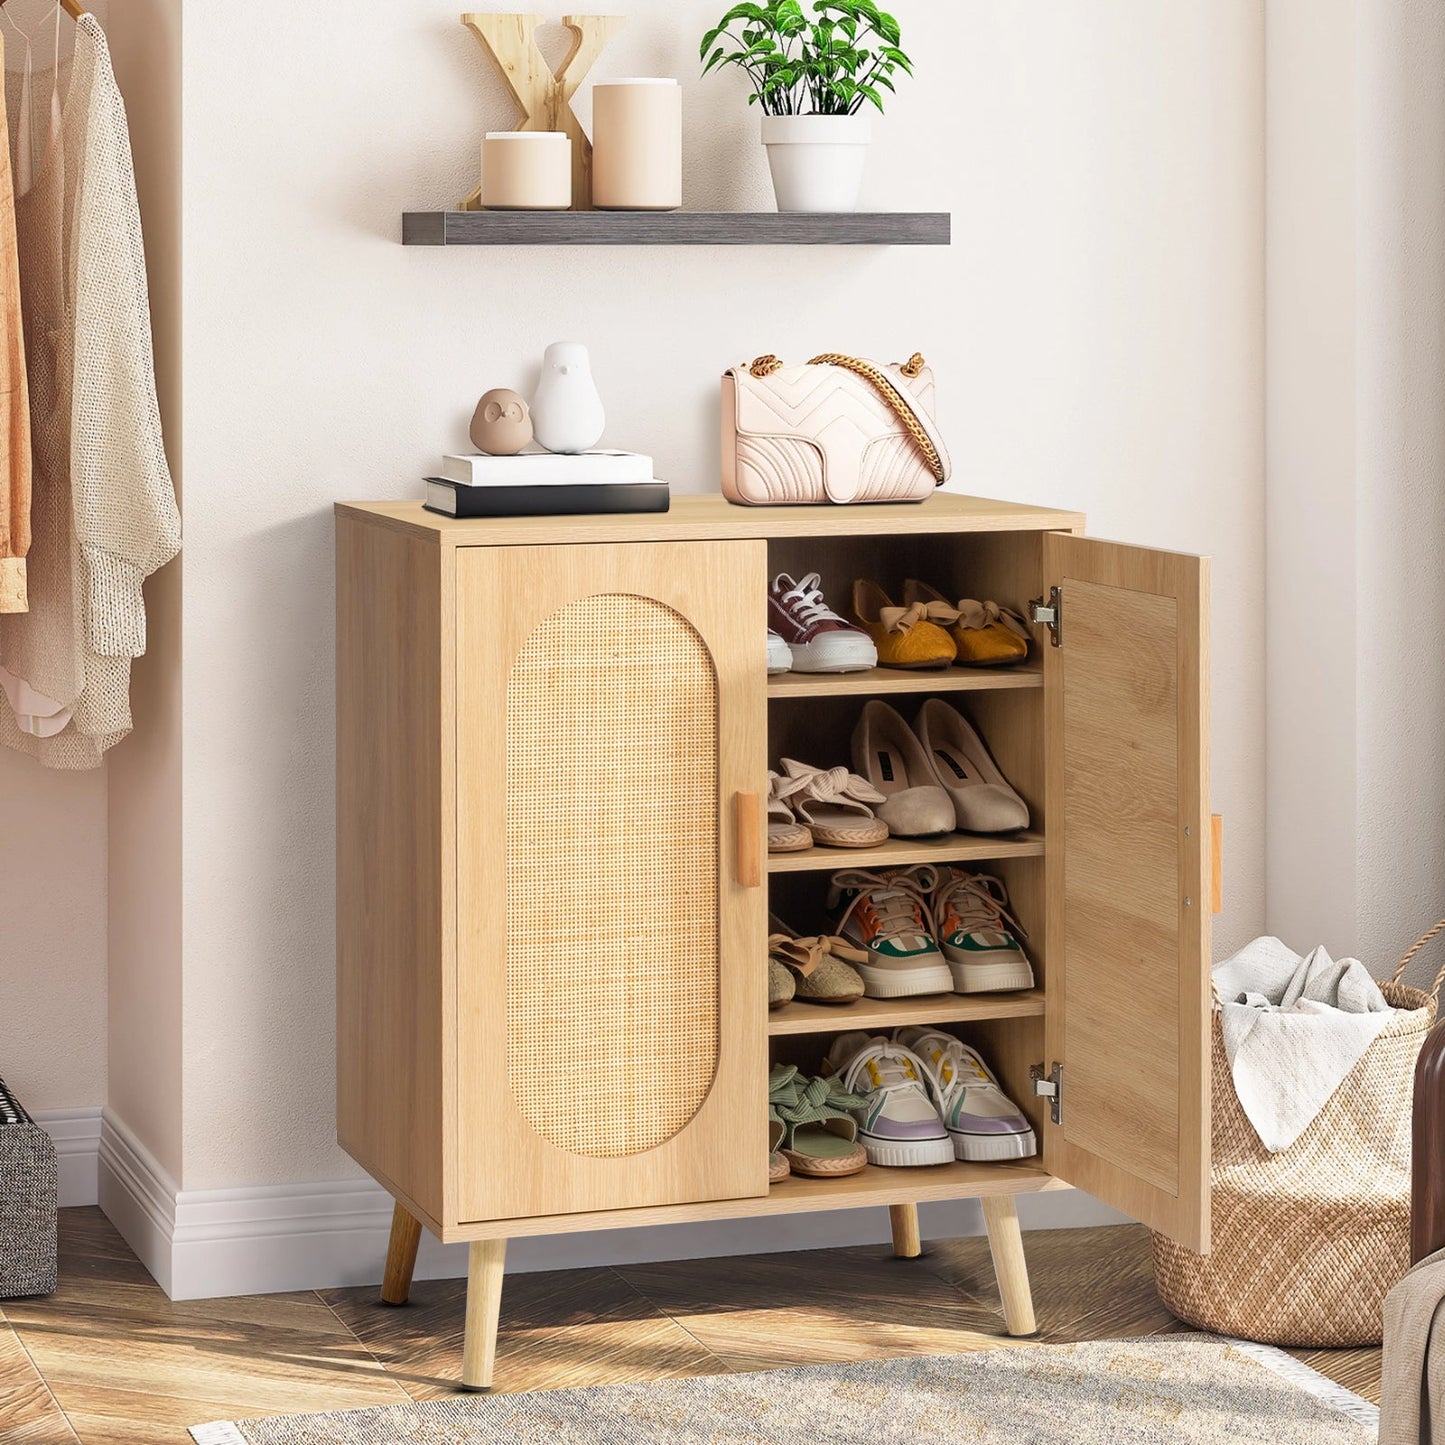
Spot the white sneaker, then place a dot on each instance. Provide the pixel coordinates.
(780, 655)
(983, 1122)
(899, 1125)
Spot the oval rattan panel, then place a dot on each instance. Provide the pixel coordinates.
(612, 876)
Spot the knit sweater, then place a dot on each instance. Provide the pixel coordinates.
(104, 513)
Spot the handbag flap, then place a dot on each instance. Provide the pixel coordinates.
(840, 413)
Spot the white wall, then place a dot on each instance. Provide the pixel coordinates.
(1400, 507)
(143, 1032)
(1356, 423)
(1096, 325)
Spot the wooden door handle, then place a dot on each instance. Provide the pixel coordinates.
(749, 825)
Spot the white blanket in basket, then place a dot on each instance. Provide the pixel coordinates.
(1293, 1028)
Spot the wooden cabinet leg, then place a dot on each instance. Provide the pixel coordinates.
(1006, 1243)
(400, 1257)
(485, 1265)
(907, 1242)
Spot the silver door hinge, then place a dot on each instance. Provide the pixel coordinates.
(1050, 1086)
(1050, 615)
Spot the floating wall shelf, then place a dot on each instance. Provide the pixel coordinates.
(674, 228)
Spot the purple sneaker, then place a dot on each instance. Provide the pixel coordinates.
(984, 1123)
(899, 1124)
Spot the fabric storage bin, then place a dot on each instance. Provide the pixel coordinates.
(1308, 1241)
(28, 1179)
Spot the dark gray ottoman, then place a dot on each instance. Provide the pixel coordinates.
(27, 1202)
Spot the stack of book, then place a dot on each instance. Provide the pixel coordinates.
(540, 484)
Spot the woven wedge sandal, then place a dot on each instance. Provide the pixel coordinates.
(835, 805)
(822, 1135)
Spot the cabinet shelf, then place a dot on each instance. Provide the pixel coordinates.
(877, 1185)
(955, 848)
(870, 1013)
(674, 228)
(893, 680)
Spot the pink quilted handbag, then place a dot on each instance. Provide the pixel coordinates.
(839, 429)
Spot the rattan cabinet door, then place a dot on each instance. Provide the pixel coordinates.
(611, 1040)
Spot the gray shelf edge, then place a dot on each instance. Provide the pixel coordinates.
(675, 228)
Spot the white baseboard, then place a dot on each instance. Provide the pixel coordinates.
(76, 1133)
(210, 1243)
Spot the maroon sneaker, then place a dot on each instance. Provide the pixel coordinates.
(818, 638)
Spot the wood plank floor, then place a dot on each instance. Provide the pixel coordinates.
(108, 1360)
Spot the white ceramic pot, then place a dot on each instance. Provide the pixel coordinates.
(637, 145)
(817, 160)
(526, 171)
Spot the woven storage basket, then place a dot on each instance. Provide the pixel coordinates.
(27, 1203)
(1307, 1242)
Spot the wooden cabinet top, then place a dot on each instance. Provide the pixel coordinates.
(714, 518)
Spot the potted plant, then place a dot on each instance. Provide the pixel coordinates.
(812, 76)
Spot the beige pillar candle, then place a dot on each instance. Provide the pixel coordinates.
(527, 170)
(637, 145)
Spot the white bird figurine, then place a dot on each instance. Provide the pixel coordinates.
(567, 414)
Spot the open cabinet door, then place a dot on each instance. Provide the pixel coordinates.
(1127, 875)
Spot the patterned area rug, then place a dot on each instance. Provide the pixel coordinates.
(1177, 1388)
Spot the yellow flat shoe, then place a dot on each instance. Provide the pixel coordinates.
(905, 637)
(984, 634)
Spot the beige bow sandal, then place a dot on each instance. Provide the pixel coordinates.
(983, 801)
(835, 805)
(785, 833)
(895, 764)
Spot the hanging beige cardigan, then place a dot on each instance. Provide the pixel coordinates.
(103, 505)
(14, 395)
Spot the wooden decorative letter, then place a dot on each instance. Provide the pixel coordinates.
(544, 97)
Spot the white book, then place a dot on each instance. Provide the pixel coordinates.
(539, 468)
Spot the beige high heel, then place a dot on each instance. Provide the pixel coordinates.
(983, 800)
(886, 752)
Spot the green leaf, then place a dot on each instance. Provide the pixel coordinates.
(714, 62)
(873, 95)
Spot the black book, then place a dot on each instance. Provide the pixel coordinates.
(544, 499)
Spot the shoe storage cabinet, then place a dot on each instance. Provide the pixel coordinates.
(553, 889)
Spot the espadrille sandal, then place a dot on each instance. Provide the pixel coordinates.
(822, 1134)
(781, 988)
(834, 803)
(785, 833)
(820, 969)
(782, 1088)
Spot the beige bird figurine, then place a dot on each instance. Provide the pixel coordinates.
(502, 425)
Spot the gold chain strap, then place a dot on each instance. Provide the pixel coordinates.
(765, 366)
